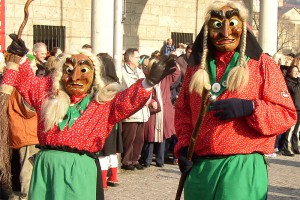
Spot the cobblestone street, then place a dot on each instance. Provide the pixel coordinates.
(161, 183)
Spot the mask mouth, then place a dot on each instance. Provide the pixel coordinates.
(76, 84)
(224, 41)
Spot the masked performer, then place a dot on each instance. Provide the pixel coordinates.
(252, 106)
(76, 111)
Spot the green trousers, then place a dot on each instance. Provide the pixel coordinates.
(239, 177)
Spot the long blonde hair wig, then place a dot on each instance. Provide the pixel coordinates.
(56, 105)
(238, 77)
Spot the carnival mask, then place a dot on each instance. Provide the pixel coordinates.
(78, 75)
(225, 29)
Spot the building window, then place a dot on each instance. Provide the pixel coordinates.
(185, 38)
(52, 36)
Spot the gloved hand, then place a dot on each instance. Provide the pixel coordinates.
(159, 70)
(17, 46)
(185, 165)
(232, 108)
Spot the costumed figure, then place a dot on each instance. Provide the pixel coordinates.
(249, 106)
(76, 112)
(5, 97)
(108, 156)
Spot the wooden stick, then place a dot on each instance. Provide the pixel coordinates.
(203, 110)
(26, 15)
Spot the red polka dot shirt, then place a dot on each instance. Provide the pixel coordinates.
(273, 114)
(93, 126)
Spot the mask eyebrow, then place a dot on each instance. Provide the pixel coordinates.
(85, 62)
(71, 61)
(231, 13)
(217, 13)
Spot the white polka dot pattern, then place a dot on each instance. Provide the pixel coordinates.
(274, 113)
(90, 130)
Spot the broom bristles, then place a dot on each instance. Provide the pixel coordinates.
(5, 166)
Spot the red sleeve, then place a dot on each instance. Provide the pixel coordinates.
(129, 101)
(274, 110)
(183, 115)
(27, 84)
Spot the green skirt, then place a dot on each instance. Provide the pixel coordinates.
(231, 178)
(59, 175)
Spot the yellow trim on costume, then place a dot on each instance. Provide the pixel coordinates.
(6, 89)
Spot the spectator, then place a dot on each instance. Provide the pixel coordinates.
(87, 47)
(290, 139)
(40, 53)
(184, 59)
(144, 63)
(55, 51)
(160, 128)
(168, 47)
(113, 144)
(133, 127)
(155, 55)
(154, 138)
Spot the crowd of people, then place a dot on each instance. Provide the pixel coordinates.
(287, 144)
(71, 119)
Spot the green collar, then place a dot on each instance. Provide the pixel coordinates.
(219, 87)
(74, 112)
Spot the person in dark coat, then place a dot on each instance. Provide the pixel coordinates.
(113, 144)
(290, 139)
(160, 137)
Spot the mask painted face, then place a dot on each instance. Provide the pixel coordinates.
(225, 29)
(78, 75)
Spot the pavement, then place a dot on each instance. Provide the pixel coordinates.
(155, 183)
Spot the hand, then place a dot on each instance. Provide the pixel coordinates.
(159, 70)
(154, 105)
(232, 108)
(17, 46)
(185, 165)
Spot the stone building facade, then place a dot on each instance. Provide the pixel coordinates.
(147, 23)
(73, 15)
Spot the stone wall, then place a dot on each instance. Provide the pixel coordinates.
(75, 15)
(149, 23)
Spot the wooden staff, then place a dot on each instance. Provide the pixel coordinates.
(26, 16)
(5, 166)
(203, 110)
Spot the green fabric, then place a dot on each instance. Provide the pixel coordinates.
(231, 178)
(30, 57)
(59, 175)
(74, 112)
(212, 69)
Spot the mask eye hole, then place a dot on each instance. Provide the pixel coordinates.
(69, 69)
(233, 22)
(85, 70)
(217, 24)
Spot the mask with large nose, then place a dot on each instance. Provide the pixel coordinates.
(225, 29)
(78, 75)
